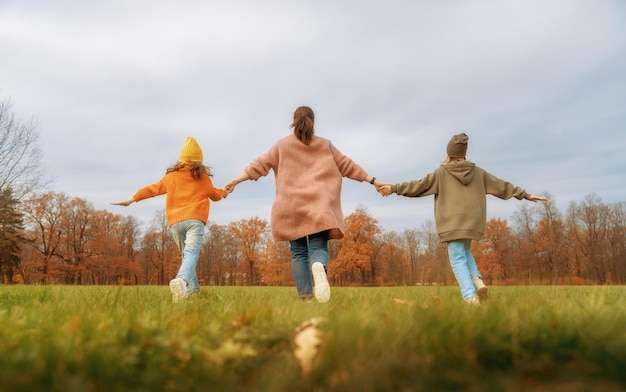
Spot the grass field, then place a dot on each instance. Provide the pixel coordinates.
(69, 338)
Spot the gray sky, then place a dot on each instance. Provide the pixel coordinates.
(116, 86)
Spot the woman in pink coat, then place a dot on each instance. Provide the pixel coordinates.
(309, 172)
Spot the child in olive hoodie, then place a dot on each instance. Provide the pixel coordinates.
(460, 188)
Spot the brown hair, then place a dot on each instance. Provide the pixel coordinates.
(195, 168)
(303, 123)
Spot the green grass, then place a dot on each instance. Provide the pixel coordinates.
(68, 338)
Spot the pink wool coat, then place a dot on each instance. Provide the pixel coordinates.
(308, 186)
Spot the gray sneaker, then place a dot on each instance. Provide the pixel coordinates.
(178, 287)
(473, 301)
(320, 282)
(481, 289)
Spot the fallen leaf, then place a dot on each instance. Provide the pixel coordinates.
(409, 303)
(307, 341)
(404, 302)
(72, 324)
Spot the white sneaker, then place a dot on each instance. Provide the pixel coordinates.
(320, 283)
(178, 287)
(481, 289)
(473, 301)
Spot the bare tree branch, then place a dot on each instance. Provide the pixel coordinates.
(20, 154)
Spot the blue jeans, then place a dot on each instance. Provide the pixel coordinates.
(463, 266)
(188, 235)
(312, 248)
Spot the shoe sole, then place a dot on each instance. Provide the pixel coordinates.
(322, 289)
(176, 287)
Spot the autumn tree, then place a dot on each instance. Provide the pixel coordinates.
(275, 264)
(552, 244)
(434, 258)
(161, 258)
(413, 249)
(616, 248)
(251, 235)
(575, 259)
(493, 252)
(355, 262)
(391, 259)
(114, 250)
(526, 256)
(44, 214)
(77, 235)
(217, 263)
(590, 226)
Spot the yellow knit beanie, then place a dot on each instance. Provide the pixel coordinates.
(191, 151)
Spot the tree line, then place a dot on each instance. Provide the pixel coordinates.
(50, 238)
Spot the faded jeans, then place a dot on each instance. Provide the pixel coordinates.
(308, 249)
(188, 236)
(463, 266)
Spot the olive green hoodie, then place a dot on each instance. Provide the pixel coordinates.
(460, 190)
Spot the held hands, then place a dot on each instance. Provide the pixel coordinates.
(383, 188)
(229, 187)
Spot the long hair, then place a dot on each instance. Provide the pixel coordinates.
(303, 124)
(195, 169)
(450, 159)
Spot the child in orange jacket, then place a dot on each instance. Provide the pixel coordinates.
(188, 189)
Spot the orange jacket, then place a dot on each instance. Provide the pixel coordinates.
(186, 198)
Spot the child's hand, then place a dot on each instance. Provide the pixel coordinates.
(228, 188)
(537, 198)
(124, 203)
(384, 189)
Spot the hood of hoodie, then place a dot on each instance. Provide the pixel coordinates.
(462, 171)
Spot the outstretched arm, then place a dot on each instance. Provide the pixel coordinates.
(228, 188)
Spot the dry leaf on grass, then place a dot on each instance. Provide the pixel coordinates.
(409, 303)
(307, 342)
(404, 302)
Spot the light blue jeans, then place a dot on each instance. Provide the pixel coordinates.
(463, 266)
(188, 235)
(308, 249)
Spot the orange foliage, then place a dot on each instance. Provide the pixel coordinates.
(70, 242)
(492, 251)
(251, 235)
(354, 262)
(275, 268)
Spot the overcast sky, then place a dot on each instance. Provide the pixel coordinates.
(116, 86)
